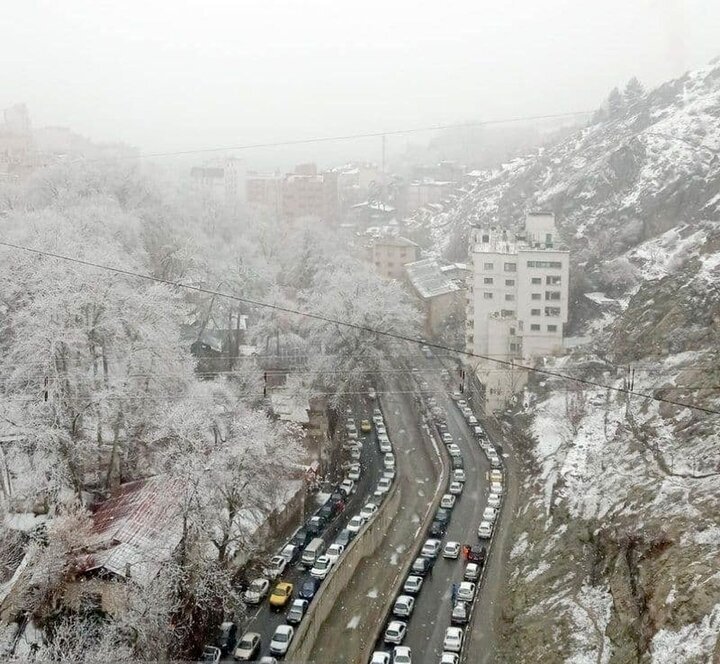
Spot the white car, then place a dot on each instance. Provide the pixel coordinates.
(275, 567)
(472, 572)
(403, 607)
(372, 394)
(493, 500)
(449, 658)
(355, 524)
(256, 591)
(378, 420)
(454, 450)
(455, 488)
(413, 584)
(389, 461)
(478, 431)
(485, 530)
(380, 657)
(496, 487)
(451, 550)
(381, 430)
(347, 487)
(461, 403)
(352, 433)
(355, 454)
(458, 475)
(385, 445)
(383, 487)
(447, 438)
(402, 655)
(395, 632)
(321, 568)
(334, 552)
(367, 511)
(281, 639)
(472, 420)
(465, 592)
(495, 461)
(431, 548)
(354, 472)
(447, 501)
(489, 514)
(389, 473)
(453, 639)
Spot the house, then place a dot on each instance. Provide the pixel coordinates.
(390, 254)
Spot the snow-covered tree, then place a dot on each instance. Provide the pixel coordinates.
(634, 92)
(616, 103)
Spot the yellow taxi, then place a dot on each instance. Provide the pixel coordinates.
(365, 426)
(281, 595)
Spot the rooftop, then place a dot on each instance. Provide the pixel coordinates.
(428, 278)
(395, 241)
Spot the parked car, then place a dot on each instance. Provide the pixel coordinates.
(495, 462)
(485, 530)
(460, 613)
(455, 488)
(389, 473)
(403, 606)
(211, 654)
(457, 462)
(380, 657)
(355, 453)
(389, 460)
(431, 548)
(454, 450)
(367, 511)
(489, 514)
(301, 538)
(494, 500)
(421, 566)
(227, 637)
(465, 591)
(384, 444)
(402, 655)
(395, 632)
(355, 524)
(321, 568)
(451, 550)
(447, 501)
(281, 639)
(291, 553)
(281, 595)
(354, 472)
(248, 648)
(449, 658)
(477, 554)
(496, 476)
(344, 537)
(256, 591)
(437, 529)
(458, 475)
(315, 525)
(335, 551)
(443, 515)
(447, 438)
(412, 585)
(496, 487)
(472, 572)
(297, 611)
(453, 639)
(309, 588)
(472, 420)
(365, 426)
(383, 486)
(275, 567)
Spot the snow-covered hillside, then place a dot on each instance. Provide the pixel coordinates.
(617, 544)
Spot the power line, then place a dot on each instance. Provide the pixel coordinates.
(348, 137)
(363, 328)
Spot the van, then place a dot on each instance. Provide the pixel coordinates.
(312, 552)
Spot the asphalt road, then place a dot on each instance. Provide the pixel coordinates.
(262, 619)
(431, 616)
(354, 620)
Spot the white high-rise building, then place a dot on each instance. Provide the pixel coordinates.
(517, 302)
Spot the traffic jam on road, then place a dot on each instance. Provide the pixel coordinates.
(392, 646)
(293, 576)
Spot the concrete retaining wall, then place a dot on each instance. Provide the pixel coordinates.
(364, 545)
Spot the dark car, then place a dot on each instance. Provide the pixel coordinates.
(301, 538)
(309, 588)
(457, 462)
(437, 529)
(477, 554)
(459, 614)
(227, 637)
(443, 515)
(326, 512)
(345, 537)
(315, 525)
(421, 566)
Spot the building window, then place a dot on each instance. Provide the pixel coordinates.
(553, 312)
(509, 282)
(488, 280)
(551, 328)
(534, 312)
(512, 331)
(510, 267)
(552, 280)
(488, 266)
(535, 327)
(486, 238)
(535, 296)
(552, 295)
(552, 265)
(536, 281)
(487, 296)
(507, 313)
(509, 297)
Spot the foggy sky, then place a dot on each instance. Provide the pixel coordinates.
(166, 75)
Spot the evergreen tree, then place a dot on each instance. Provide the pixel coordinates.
(616, 103)
(634, 92)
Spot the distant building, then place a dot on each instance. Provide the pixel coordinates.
(440, 290)
(391, 254)
(424, 192)
(517, 301)
(17, 158)
(223, 182)
(264, 190)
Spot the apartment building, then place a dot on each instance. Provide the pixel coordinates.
(517, 302)
(221, 180)
(390, 254)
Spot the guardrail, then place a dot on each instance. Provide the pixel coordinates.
(419, 541)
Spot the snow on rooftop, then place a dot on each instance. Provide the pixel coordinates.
(428, 279)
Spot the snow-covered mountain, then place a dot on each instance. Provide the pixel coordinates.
(617, 543)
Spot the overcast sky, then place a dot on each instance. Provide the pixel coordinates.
(193, 73)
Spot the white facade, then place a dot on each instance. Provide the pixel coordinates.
(517, 302)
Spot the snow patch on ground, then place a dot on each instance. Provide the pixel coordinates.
(689, 645)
